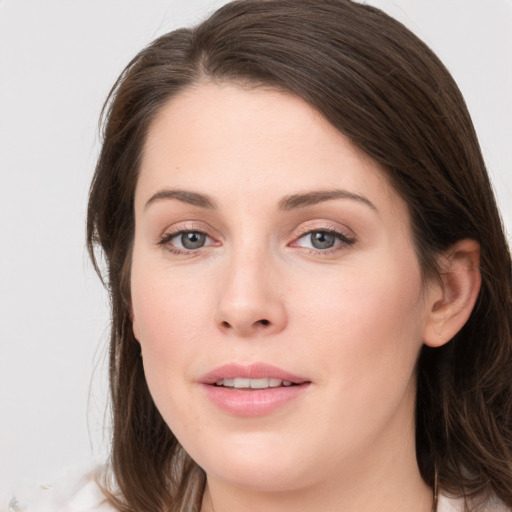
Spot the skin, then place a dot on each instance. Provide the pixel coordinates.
(352, 318)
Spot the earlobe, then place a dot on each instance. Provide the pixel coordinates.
(452, 301)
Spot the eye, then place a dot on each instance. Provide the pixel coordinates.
(323, 240)
(191, 239)
(186, 241)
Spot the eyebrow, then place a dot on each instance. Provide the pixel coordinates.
(185, 196)
(315, 197)
(290, 202)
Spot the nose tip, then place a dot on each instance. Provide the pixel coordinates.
(250, 303)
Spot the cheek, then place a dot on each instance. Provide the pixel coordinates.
(367, 323)
(164, 302)
(363, 334)
(169, 319)
(170, 322)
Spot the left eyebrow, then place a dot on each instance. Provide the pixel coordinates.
(311, 198)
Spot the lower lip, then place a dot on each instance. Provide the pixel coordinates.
(253, 402)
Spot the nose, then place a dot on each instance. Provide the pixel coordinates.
(251, 300)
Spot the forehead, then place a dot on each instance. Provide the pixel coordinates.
(220, 139)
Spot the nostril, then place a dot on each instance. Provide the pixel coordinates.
(242, 327)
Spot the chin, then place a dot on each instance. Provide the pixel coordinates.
(268, 476)
(253, 462)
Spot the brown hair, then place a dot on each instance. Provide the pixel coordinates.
(382, 87)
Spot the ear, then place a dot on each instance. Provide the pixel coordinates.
(451, 302)
(134, 324)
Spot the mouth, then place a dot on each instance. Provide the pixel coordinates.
(249, 384)
(254, 390)
(252, 376)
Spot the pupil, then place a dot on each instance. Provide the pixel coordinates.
(322, 240)
(192, 240)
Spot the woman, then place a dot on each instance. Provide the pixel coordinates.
(311, 289)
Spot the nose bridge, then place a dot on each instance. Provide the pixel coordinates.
(249, 297)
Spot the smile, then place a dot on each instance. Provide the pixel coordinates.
(252, 390)
(242, 383)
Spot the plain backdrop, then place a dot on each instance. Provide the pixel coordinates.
(58, 60)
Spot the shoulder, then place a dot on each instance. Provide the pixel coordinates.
(74, 492)
(447, 504)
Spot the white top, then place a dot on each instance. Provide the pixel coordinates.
(74, 492)
(80, 493)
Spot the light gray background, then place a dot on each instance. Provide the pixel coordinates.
(58, 60)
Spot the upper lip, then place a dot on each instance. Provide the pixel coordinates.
(251, 371)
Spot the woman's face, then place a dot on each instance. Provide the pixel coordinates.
(275, 291)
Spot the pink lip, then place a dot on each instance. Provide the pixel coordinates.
(254, 402)
(252, 371)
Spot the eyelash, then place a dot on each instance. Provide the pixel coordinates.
(166, 239)
(342, 238)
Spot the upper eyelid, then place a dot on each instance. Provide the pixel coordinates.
(328, 229)
(187, 225)
(344, 231)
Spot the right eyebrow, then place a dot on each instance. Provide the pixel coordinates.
(185, 196)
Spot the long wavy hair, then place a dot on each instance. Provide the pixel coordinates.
(378, 84)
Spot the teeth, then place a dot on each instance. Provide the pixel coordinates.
(241, 383)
